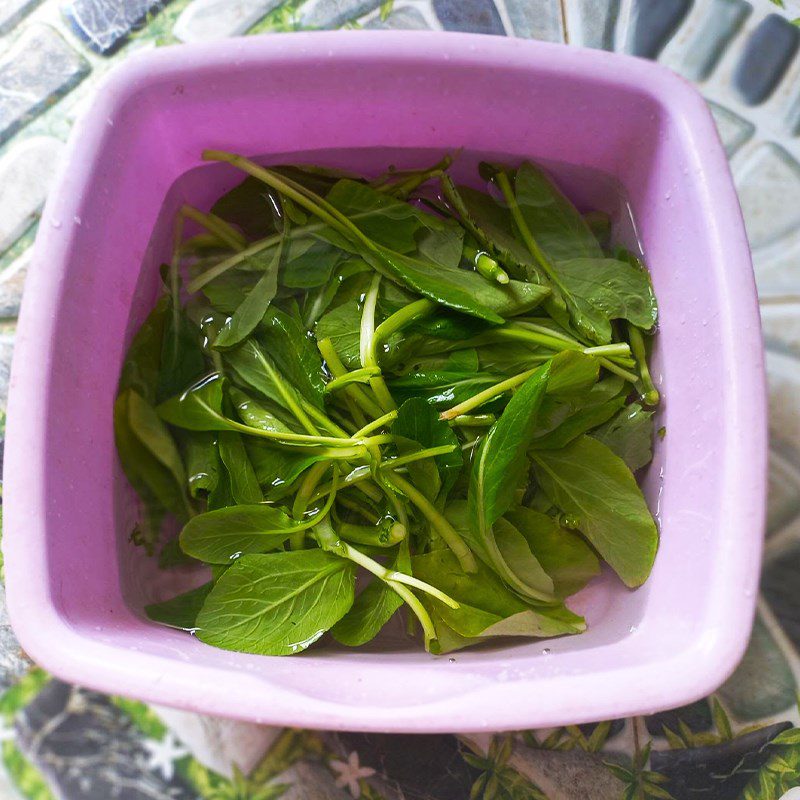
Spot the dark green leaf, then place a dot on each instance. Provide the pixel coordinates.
(613, 289)
(555, 223)
(565, 556)
(372, 609)
(252, 309)
(342, 326)
(227, 292)
(572, 374)
(588, 482)
(312, 268)
(293, 352)
(182, 359)
(148, 454)
(442, 246)
(243, 482)
(629, 435)
(491, 224)
(576, 423)
(277, 604)
(459, 289)
(143, 359)
(202, 462)
(486, 606)
(256, 414)
(171, 556)
(384, 219)
(248, 206)
(276, 468)
(498, 470)
(181, 611)
(199, 408)
(418, 421)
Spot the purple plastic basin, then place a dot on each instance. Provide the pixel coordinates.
(76, 587)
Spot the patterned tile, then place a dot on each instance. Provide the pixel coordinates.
(105, 24)
(654, 23)
(475, 16)
(746, 694)
(203, 20)
(37, 70)
(769, 51)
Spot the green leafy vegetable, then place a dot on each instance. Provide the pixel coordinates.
(277, 604)
(629, 435)
(595, 487)
(428, 383)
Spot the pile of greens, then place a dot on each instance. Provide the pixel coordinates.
(357, 395)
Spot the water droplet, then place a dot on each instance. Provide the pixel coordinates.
(633, 629)
(668, 195)
(110, 122)
(546, 651)
(56, 223)
(76, 219)
(451, 660)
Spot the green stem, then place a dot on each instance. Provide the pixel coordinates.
(302, 196)
(651, 395)
(438, 523)
(232, 261)
(474, 420)
(323, 419)
(617, 370)
(392, 577)
(223, 230)
(397, 321)
(367, 344)
(301, 500)
(337, 369)
(361, 375)
(359, 474)
(328, 540)
(288, 437)
(525, 231)
(428, 452)
(490, 393)
(289, 396)
(369, 515)
(485, 265)
(384, 419)
(382, 533)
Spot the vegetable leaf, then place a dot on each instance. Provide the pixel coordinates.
(564, 554)
(418, 421)
(218, 537)
(497, 470)
(181, 611)
(587, 481)
(630, 436)
(486, 606)
(277, 604)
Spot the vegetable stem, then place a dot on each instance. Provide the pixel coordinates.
(232, 261)
(361, 375)
(525, 231)
(487, 394)
(384, 419)
(651, 395)
(486, 265)
(303, 496)
(223, 230)
(438, 523)
(338, 370)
